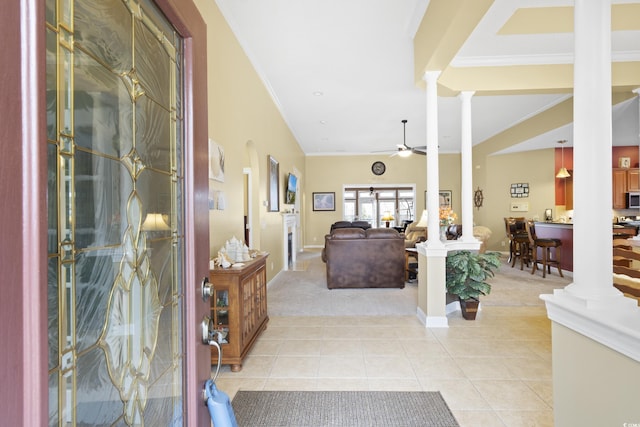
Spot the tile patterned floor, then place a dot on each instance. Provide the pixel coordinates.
(494, 371)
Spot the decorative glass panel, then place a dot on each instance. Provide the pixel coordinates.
(154, 67)
(103, 28)
(115, 279)
(102, 108)
(52, 311)
(52, 93)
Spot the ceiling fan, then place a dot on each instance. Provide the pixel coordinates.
(404, 150)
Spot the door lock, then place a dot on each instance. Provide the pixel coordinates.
(206, 289)
(207, 328)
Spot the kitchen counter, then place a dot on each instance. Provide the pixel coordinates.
(564, 232)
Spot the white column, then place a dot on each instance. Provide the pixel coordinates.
(432, 254)
(592, 240)
(591, 305)
(433, 171)
(466, 168)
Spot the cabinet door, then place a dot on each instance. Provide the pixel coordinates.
(261, 294)
(248, 307)
(619, 188)
(568, 192)
(633, 180)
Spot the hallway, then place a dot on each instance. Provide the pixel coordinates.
(494, 371)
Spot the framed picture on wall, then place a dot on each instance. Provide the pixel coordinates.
(274, 186)
(444, 200)
(324, 201)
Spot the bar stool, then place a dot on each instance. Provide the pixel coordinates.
(518, 241)
(546, 245)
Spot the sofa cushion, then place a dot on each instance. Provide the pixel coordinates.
(382, 233)
(348, 233)
(361, 224)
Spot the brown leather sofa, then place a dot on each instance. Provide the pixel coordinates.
(358, 258)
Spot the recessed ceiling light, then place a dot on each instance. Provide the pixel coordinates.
(318, 93)
(323, 122)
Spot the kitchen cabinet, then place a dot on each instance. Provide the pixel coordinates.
(238, 309)
(633, 179)
(620, 177)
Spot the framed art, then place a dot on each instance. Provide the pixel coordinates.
(216, 161)
(324, 201)
(624, 162)
(445, 199)
(519, 190)
(274, 187)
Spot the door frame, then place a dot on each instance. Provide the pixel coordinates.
(23, 186)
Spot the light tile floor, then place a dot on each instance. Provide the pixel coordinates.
(494, 371)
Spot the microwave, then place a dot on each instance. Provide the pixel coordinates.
(633, 200)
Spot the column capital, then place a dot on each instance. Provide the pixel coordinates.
(431, 75)
(466, 94)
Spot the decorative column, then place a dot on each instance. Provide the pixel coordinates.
(432, 253)
(592, 157)
(466, 168)
(591, 320)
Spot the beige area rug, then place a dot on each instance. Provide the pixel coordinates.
(341, 408)
(303, 291)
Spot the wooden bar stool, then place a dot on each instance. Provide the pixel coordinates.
(518, 241)
(545, 245)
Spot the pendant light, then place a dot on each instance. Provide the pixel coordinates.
(563, 172)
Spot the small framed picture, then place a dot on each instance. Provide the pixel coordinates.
(324, 201)
(444, 199)
(624, 162)
(273, 190)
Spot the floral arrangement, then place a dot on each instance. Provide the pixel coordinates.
(447, 216)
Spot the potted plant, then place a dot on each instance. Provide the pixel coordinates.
(467, 274)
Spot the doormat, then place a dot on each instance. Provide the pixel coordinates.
(341, 408)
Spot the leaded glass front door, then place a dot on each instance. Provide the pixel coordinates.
(115, 291)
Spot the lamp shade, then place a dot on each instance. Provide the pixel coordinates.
(387, 216)
(423, 219)
(563, 173)
(155, 222)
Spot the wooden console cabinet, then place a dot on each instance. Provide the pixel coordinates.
(238, 309)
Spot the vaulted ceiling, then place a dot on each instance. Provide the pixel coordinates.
(345, 73)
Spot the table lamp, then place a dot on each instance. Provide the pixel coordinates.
(387, 217)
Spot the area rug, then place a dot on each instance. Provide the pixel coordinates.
(341, 408)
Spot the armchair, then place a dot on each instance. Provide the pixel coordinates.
(414, 234)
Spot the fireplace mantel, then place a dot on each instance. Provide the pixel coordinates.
(289, 225)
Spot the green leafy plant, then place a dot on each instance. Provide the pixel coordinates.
(467, 273)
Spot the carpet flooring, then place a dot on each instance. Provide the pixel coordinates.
(302, 291)
(341, 408)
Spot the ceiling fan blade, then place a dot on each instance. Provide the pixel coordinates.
(421, 147)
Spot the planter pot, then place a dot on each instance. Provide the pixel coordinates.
(469, 308)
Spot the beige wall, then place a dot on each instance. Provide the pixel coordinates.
(494, 174)
(332, 173)
(244, 120)
(593, 385)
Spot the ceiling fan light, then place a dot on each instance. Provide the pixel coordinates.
(563, 173)
(404, 153)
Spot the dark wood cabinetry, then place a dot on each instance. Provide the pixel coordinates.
(633, 180)
(620, 180)
(238, 309)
